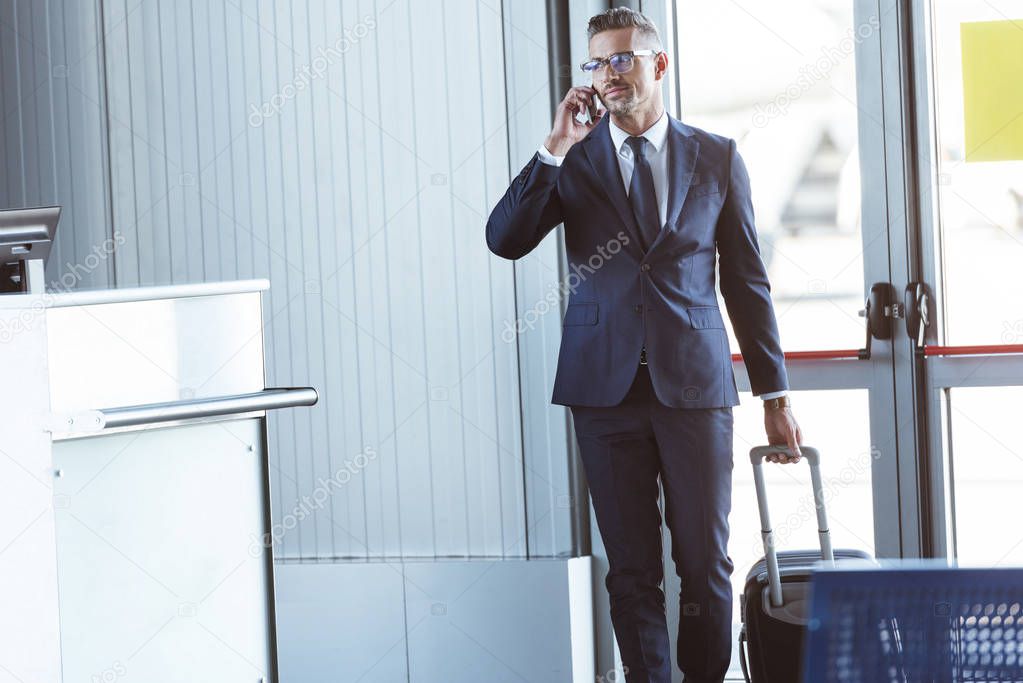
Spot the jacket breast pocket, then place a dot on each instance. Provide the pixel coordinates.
(581, 314)
(704, 188)
(705, 317)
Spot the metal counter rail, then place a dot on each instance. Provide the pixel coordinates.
(150, 413)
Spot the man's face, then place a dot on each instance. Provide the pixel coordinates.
(635, 90)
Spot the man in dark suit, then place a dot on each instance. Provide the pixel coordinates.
(648, 203)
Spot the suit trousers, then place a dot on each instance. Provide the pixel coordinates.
(624, 449)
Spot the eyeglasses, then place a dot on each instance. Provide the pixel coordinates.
(621, 62)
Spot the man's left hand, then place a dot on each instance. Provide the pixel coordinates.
(783, 430)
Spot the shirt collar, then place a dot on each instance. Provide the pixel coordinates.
(655, 134)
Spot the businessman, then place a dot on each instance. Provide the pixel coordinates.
(648, 204)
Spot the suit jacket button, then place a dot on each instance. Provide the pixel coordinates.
(645, 266)
(638, 307)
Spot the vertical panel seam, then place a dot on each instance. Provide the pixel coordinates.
(319, 261)
(323, 293)
(108, 165)
(288, 298)
(490, 284)
(457, 307)
(387, 287)
(53, 118)
(163, 136)
(515, 296)
(266, 211)
(198, 149)
(355, 308)
(302, 274)
(17, 82)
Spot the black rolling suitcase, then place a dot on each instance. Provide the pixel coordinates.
(775, 601)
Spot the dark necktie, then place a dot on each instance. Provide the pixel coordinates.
(642, 195)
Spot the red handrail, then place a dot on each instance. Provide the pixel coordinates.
(989, 349)
(827, 354)
(929, 350)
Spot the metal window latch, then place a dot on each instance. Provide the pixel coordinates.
(918, 317)
(879, 310)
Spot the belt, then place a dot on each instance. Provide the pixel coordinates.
(642, 356)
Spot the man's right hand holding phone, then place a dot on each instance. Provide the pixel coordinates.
(567, 130)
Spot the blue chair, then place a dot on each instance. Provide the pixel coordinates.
(915, 625)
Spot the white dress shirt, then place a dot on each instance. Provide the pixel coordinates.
(657, 156)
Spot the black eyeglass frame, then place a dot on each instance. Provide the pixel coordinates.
(597, 64)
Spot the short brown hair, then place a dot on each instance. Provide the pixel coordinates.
(622, 17)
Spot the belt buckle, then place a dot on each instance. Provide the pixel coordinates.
(642, 356)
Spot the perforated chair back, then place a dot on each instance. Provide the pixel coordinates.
(915, 625)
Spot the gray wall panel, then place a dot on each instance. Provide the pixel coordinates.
(319, 182)
(39, 113)
(118, 108)
(407, 242)
(447, 445)
(9, 141)
(550, 504)
(7, 109)
(61, 48)
(347, 436)
(341, 623)
(89, 207)
(52, 145)
(453, 634)
(434, 621)
(252, 194)
(281, 251)
(33, 88)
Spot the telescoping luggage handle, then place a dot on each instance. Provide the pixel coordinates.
(813, 457)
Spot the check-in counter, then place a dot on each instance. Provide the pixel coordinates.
(134, 484)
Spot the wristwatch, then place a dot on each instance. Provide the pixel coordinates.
(777, 403)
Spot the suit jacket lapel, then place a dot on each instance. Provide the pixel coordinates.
(603, 158)
(683, 150)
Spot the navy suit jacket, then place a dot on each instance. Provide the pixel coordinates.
(621, 297)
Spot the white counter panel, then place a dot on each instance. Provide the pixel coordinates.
(136, 352)
(161, 569)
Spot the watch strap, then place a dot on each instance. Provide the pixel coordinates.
(777, 403)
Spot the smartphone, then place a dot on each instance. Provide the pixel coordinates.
(591, 110)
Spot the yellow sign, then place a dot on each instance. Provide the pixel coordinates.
(993, 90)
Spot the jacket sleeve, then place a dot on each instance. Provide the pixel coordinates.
(744, 284)
(527, 212)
